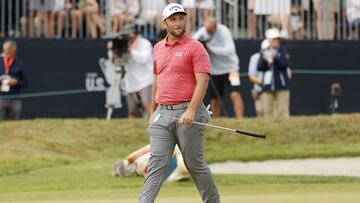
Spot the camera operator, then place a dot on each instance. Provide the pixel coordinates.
(139, 77)
(12, 80)
(225, 73)
(274, 62)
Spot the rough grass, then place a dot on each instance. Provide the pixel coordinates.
(33, 144)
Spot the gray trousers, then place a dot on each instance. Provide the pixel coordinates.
(164, 135)
(10, 109)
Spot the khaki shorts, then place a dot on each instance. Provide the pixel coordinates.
(326, 5)
(137, 100)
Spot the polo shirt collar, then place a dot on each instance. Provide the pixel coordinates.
(183, 39)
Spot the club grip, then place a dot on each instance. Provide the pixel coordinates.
(251, 134)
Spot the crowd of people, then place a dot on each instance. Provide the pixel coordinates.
(269, 70)
(89, 18)
(295, 18)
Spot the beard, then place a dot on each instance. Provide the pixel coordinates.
(177, 32)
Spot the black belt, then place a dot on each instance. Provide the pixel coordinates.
(175, 106)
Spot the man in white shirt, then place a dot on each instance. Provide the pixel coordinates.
(224, 65)
(139, 77)
(256, 78)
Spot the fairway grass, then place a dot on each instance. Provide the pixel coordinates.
(91, 182)
(113, 196)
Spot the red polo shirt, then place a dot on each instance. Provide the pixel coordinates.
(175, 67)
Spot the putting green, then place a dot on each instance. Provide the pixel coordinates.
(91, 182)
(114, 197)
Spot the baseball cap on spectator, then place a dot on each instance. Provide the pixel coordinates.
(171, 9)
(272, 33)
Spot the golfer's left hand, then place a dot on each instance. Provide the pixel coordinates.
(187, 117)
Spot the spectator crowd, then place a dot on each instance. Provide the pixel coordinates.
(269, 68)
(296, 19)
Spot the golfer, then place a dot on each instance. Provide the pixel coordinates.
(181, 68)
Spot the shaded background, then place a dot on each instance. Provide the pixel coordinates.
(54, 65)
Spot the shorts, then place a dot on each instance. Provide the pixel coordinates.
(207, 4)
(251, 5)
(46, 5)
(137, 100)
(148, 16)
(35, 4)
(202, 4)
(221, 82)
(326, 5)
(188, 3)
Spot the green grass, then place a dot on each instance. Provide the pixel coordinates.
(35, 144)
(92, 182)
(54, 160)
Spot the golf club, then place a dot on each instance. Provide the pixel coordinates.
(157, 117)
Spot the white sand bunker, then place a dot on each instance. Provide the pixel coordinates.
(312, 166)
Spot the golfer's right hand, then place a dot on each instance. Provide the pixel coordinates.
(187, 117)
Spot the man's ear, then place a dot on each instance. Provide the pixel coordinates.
(165, 24)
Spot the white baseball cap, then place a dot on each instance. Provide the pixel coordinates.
(272, 33)
(171, 9)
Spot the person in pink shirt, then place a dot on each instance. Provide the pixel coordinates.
(181, 68)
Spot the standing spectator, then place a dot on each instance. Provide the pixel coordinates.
(251, 19)
(325, 18)
(224, 65)
(12, 79)
(35, 15)
(43, 14)
(207, 8)
(190, 7)
(274, 63)
(63, 16)
(117, 7)
(151, 13)
(132, 10)
(256, 77)
(296, 23)
(139, 77)
(88, 9)
(51, 11)
(278, 12)
(353, 14)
